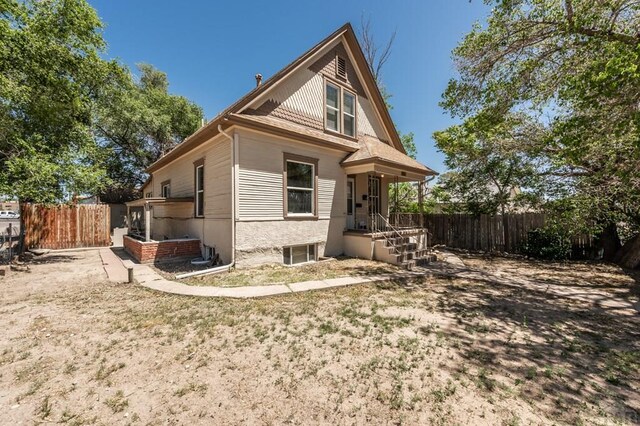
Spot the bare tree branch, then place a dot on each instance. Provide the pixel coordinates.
(376, 58)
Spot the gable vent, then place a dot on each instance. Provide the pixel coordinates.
(341, 67)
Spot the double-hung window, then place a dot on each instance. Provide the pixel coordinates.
(199, 189)
(300, 186)
(333, 107)
(165, 189)
(340, 107)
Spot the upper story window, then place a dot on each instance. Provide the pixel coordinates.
(340, 110)
(300, 186)
(199, 188)
(165, 189)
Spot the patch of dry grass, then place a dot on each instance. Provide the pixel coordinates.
(281, 274)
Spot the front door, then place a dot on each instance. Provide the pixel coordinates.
(351, 203)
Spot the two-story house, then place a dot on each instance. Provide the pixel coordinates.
(297, 169)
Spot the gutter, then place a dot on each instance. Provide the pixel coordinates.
(234, 142)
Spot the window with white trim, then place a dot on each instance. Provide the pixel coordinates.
(199, 190)
(300, 188)
(333, 107)
(349, 113)
(299, 254)
(165, 189)
(340, 110)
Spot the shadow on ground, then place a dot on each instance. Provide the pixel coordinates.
(557, 340)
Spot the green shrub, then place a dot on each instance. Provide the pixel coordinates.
(547, 244)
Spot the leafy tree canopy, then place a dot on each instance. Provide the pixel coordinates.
(50, 75)
(138, 121)
(572, 67)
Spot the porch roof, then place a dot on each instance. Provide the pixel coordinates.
(140, 202)
(373, 151)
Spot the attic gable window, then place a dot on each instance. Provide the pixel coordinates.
(340, 110)
(333, 107)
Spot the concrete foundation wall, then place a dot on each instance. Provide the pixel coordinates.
(261, 242)
(359, 246)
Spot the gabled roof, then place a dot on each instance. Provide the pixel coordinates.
(211, 129)
(371, 149)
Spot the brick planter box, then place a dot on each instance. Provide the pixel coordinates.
(159, 251)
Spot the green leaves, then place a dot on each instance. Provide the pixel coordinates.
(137, 121)
(572, 69)
(49, 68)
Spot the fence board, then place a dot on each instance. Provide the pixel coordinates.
(66, 226)
(489, 233)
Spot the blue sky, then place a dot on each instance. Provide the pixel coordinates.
(211, 50)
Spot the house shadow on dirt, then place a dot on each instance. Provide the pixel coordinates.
(569, 343)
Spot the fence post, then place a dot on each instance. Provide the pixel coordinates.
(10, 241)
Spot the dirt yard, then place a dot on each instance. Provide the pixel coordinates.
(477, 348)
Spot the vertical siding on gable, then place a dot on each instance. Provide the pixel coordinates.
(300, 97)
(368, 123)
(302, 92)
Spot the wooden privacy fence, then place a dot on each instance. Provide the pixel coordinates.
(485, 232)
(66, 226)
(489, 233)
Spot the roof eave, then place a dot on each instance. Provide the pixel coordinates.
(384, 162)
(278, 131)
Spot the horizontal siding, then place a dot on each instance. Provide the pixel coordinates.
(217, 175)
(260, 187)
(217, 189)
(260, 193)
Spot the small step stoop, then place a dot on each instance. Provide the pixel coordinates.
(407, 253)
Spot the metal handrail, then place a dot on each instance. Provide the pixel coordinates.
(384, 235)
(422, 229)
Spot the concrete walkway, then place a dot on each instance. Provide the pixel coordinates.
(450, 266)
(114, 266)
(149, 278)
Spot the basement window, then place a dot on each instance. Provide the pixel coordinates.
(299, 254)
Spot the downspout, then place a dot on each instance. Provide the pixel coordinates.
(233, 140)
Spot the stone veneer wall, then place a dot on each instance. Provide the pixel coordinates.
(158, 251)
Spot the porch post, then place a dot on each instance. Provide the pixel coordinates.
(420, 203)
(147, 222)
(128, 222)
(395, 218)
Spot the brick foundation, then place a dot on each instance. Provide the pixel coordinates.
(158, 251)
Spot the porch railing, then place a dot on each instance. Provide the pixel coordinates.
(406, 220)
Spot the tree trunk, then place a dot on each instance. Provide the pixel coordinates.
(610, 242)
(629, 255)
